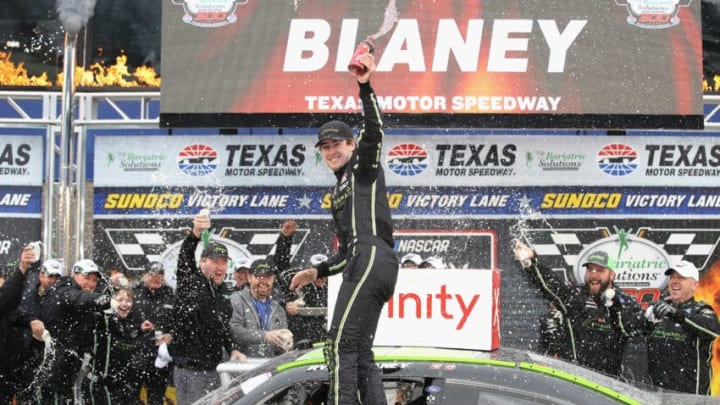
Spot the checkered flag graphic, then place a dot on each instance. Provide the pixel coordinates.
(697, 246)
(560, 248)
(136, 246)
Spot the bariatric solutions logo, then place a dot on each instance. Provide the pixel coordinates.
(638, 263)
(653, 14)
(209, 13)
(136, 162)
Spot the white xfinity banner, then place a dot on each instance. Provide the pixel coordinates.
(462, 303)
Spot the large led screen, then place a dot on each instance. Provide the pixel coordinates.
(612, 64)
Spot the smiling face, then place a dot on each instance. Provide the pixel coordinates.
(261, 285)
(214, 269)
(681, 288)
(598, 278)
(125, 302)
(88, 282)
(336, 153)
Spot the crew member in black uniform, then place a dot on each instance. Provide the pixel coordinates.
(680, 334)
(365, 255)
(201, 316)
(154, 299)
(11, 344)
(598, 317)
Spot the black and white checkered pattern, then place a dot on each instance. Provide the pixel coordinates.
(560, 248)
(136, 247)
(694, 245)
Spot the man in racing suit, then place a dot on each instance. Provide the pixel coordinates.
(598, 317)
(680, 335)
(365, 255)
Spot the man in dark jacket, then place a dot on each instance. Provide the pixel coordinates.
(202, 313)
(681, 332)
(10, 340)
(307, 307)
(154, 300)
(598, 317)
(34, 294)
(111, 377)
(70, 312)
(364, 231)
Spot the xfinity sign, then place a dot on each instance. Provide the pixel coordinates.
(459, 306)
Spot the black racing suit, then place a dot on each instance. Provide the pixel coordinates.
(680, 348)
(157, 306)
(201, 315)
(112, 378)
(70, 315)
(595, 335)
(365, 257)
(10, 340)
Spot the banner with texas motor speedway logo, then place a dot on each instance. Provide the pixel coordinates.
(21, 181)
(647, 200)
(489, 63)
(421, 159)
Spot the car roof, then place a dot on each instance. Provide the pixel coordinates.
(524, 370)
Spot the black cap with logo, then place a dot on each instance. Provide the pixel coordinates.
(336, 130)
(215, 250)
(261, 267)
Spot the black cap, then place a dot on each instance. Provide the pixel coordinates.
(154, 268)
(215, 250)
(337, 130)
(260, 267)
(600, 258)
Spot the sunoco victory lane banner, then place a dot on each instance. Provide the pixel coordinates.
(491, 63)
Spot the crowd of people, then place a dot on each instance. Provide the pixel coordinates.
(76, 335)
(592, 323)
(112, 339)
(82, 335)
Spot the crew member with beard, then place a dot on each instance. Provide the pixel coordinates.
(598, 317)
(259, 323)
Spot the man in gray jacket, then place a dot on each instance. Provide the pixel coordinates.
(259, 324)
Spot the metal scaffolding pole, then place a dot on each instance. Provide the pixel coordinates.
(74, 15)
(68, 174)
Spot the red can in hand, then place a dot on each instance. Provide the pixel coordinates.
(366, 46)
